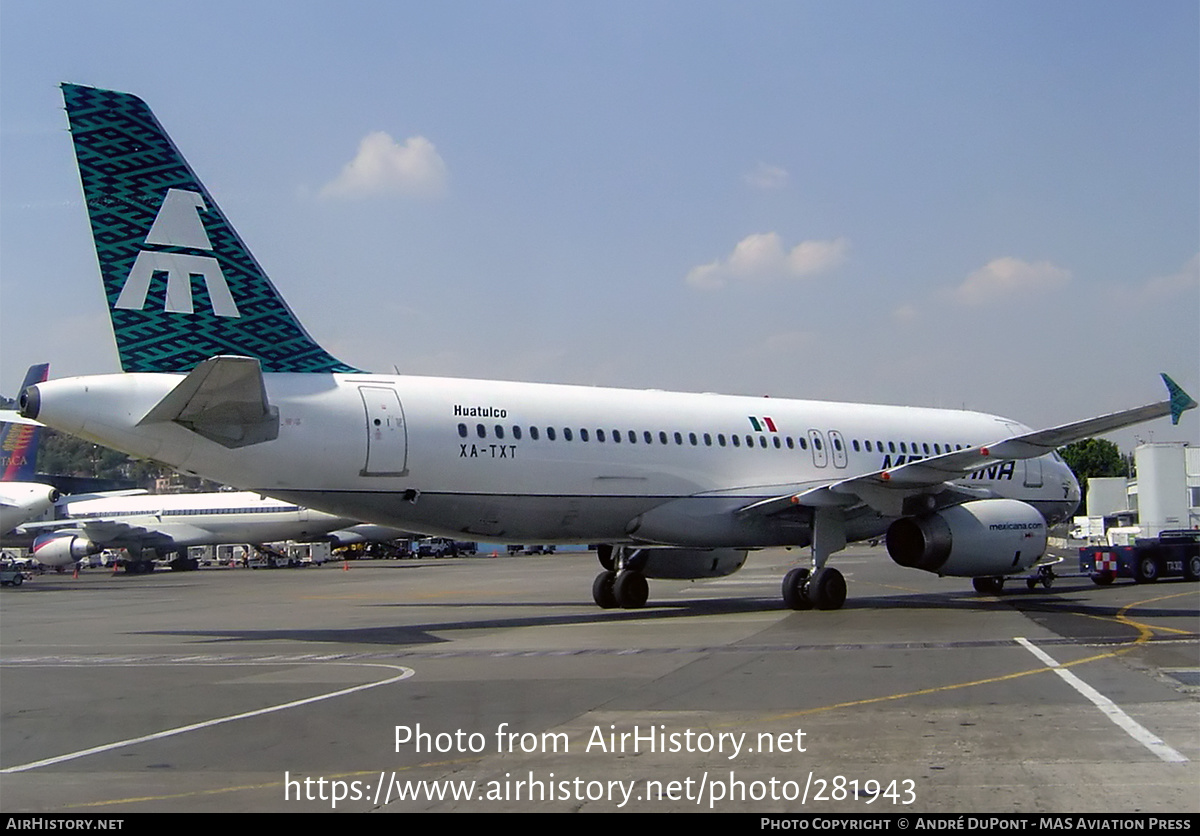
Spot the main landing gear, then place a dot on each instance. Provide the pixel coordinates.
(821, 586)
(620, 584)
(804, 589)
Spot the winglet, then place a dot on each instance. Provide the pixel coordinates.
(1181, 401)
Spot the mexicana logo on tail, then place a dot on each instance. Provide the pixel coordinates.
(178, 224)
(171, 261)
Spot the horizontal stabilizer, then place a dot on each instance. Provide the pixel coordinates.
(223, 399)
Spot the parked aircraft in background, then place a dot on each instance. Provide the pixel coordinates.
(22, 497)
(222, 380)
(148, 526)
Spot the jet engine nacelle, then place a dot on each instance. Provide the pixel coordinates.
(688, 564)
(976, 539)
(62, 549)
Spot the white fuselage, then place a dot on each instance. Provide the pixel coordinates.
(180, 520)
(549, 463)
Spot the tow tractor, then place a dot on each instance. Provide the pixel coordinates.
(1173, 553)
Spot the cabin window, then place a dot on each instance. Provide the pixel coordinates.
(583, 435)
(533, 433)
(903, 447)
(616, 436)
(707, 440)
(778, 443)
(566, 433)
(803, 443)
(632, 437)
(646, 437)
(516, 431)
(499, 431)
(692, 439)
(600, 436)
(736, 439)
(678, 438)
(549, 433)
(462, 430)
(662, 437)
(854, 445)
(791, 443)
(721, 439)
(480, 431)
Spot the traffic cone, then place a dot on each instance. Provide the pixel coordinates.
(345, 565)
(75, 574)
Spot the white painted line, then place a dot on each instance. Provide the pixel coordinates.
(405, 673)
(1111, 710)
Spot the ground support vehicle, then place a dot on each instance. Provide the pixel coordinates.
(1171, 554)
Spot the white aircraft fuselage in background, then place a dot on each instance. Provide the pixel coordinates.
(172, 522)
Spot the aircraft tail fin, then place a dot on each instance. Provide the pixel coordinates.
(181, 285)
(19, 442)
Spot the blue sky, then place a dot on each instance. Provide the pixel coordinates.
(994, 205)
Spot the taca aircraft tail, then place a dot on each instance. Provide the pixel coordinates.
(171, 262)
(19, 442)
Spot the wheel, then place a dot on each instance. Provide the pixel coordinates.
(1191, 570)
(17, 580)
(1031, 583)
(631, 590)
(793, 589)
(1146, 570)
(827, 589)
(1047, 580)
(602, 590)
(988, 586)
(1103, 578)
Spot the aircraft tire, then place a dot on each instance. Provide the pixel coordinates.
(602, 590)
(827, 589)
(631, 590)
(793, 589)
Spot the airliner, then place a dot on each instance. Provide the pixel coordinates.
(150, 525)
(22, 497)
(221, 380)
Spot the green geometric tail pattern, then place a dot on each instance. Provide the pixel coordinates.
(181, 285)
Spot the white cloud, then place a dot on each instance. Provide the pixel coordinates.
(761, 257)
(1186, 278)
(384, 166)
(1009, 277)
(766, 177)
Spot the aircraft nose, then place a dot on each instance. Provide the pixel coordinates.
(30, 403)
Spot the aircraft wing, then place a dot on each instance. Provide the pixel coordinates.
(886, 490)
